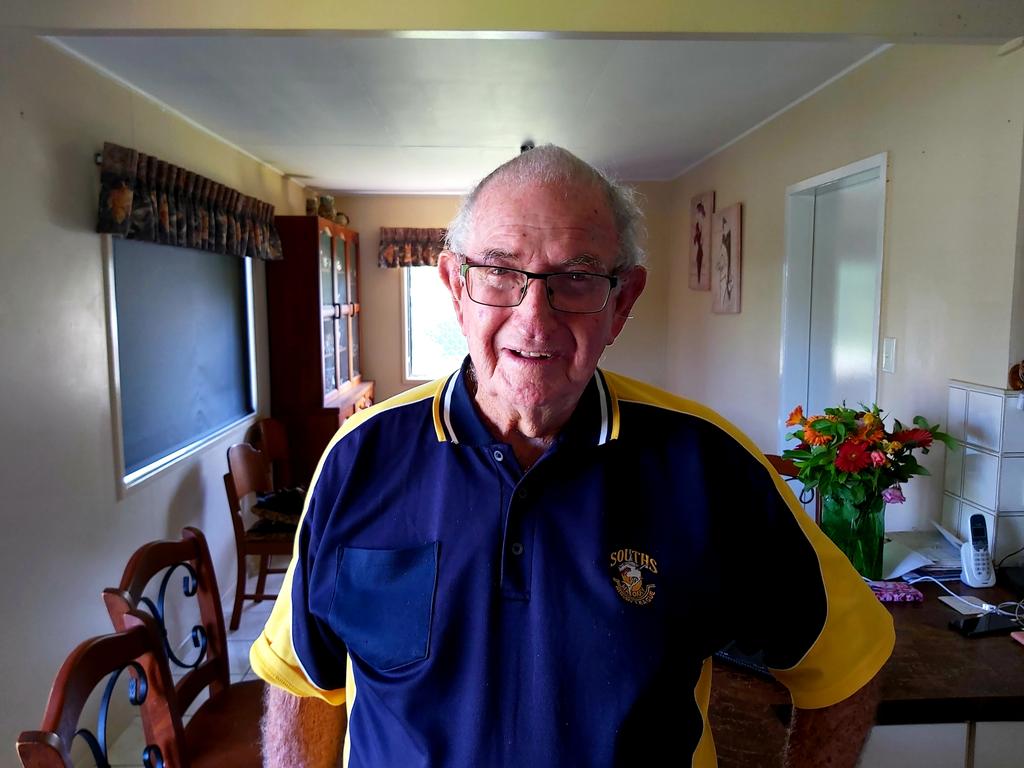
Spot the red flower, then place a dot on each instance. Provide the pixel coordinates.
(920, 438)
(853, 456)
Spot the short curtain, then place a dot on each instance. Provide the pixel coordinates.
(144, 198)
(410, 247)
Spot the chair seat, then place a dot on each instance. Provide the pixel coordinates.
(281, 506)
(225, 731)
(266, 530)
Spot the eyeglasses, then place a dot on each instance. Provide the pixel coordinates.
(583, 293)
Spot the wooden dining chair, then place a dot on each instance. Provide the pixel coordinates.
(249, 472)
(225, 730)
(789, 471)
(272, 438)
(137, 648)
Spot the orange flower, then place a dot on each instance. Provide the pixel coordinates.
(869, 428)
(813, 437)
(870, 434)
(796, 417)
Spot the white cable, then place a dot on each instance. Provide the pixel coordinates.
(1018, 608)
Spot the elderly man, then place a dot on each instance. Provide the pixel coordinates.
(531, 561)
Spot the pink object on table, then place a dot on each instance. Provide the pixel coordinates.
(1018, 636)
(896, 592)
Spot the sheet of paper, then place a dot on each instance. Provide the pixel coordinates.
(898, 559)
(931, 545)
(955, 541)
(974, 609)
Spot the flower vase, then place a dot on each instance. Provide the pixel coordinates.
(858, 530)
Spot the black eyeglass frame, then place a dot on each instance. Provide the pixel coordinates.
(613, 282)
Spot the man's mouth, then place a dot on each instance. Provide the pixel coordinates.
(531, 355)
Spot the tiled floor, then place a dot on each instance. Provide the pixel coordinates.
(127, 748)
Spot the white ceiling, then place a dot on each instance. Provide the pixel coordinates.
(400, 114)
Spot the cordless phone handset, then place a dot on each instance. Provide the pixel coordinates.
(975, 560)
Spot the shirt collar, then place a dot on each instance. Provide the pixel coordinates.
(595, 420)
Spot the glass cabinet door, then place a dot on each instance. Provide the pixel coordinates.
(352, 258)
(341, 301)
(329, 346)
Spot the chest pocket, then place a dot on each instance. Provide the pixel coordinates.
(383, 601)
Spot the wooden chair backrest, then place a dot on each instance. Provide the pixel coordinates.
(786, 468)
(249, 470)
(88, 665)
(189, 559)
(273, 441)
(235, 508)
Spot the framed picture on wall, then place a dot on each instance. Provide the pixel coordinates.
(702, 206)
(726, 259)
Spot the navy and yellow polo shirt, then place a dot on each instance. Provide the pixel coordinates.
(563, 616)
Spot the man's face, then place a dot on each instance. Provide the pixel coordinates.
(531, 358)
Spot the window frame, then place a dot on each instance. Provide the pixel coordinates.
(129, 481)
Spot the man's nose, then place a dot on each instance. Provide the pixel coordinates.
(535, 298)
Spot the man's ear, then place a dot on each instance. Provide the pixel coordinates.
(448, 267)
(632, 285)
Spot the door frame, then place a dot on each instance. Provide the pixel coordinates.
(796, 283)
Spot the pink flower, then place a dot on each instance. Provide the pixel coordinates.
(877, 458)
(893, 495)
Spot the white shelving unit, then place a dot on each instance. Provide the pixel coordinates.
(986, 472)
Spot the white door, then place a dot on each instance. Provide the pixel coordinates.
(832, 289)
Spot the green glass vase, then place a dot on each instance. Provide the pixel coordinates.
(858, 530)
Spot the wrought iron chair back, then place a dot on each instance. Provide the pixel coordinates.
(224, 731)
(206, 664)
(136, 648)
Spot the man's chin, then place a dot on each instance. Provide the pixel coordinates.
(541, 393)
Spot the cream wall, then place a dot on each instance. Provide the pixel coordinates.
(951, 119)
(639, 350)
(66, 535)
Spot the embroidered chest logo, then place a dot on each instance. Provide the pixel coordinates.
(629, 566)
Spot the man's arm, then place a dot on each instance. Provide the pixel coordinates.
(832, 736)
(301, 732)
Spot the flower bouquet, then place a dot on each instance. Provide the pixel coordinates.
(858, 467)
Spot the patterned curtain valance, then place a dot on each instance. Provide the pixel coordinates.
(410, 247)
(144, 198)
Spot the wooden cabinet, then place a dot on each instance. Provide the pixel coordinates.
(313, 322)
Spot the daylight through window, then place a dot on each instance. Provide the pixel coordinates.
(434, 344)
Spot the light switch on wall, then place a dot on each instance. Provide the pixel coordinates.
(889, 354)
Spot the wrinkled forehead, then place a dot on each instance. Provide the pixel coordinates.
(536, 216)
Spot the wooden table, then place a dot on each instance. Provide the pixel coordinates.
(933, 676)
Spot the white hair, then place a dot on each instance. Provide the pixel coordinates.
(549, 164)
